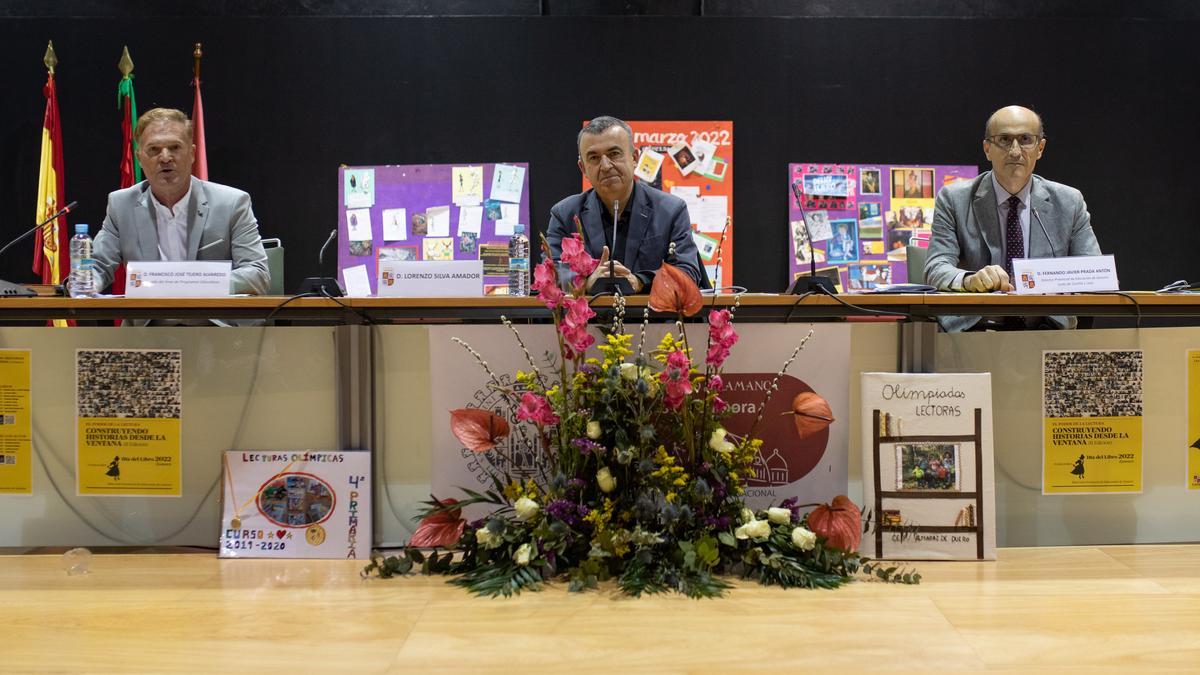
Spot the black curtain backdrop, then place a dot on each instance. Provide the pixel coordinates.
(288, 99)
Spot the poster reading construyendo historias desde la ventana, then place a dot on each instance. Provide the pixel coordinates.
(129, 420)
(1092, 421)
(813, 468)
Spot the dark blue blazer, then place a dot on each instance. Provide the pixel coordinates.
(656, 219)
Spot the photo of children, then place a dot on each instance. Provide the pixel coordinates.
(295, 500)
(927, 467)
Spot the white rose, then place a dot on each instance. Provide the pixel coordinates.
(593, 430)
(804, 538)
(486, 538)
(747, 515)
(629, 371)
(606, 480)
(779, 516)
(718, 443)
(521, 557)
(755, 529)
(526, 508)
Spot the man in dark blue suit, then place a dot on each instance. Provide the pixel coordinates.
(648, 220)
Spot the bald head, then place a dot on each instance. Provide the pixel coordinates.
(1013, 115)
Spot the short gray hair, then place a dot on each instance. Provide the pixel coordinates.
(600, 125)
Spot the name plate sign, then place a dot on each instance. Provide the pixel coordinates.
(177, 278)
(430, 279)
(1073, 274)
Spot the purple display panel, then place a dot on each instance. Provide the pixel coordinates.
(871, 213)
(409, 212)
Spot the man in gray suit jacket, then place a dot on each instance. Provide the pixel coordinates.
(979, 226)
(173, 216)
(649, 221)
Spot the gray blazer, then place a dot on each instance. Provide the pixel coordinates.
(967, 235)
(221, 226)
(657, 219)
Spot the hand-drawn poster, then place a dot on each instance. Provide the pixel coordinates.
(436, 210)
(1092, 421)
(928, 482)
(296, 504)
(693, 161)
(867, 214)
(129, 419)
(16, 423)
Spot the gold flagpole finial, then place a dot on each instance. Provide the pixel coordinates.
(125, 65)
(50, 59)
(196, 54)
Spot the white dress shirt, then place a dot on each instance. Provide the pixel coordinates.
(172, 227)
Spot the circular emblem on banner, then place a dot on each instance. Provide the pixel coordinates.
(315, 535)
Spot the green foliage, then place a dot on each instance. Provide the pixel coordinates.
(500, 579)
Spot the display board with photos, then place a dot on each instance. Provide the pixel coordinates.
(861, 218)
(693, 161)
(436, 212)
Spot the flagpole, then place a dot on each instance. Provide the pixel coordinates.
(200, 161)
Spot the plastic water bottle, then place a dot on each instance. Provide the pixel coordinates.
(518, 262)
(83, 284)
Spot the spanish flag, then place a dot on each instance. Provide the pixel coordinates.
(51, 257)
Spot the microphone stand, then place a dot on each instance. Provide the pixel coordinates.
(811, 283)
(612, 285)
(324, 286)
(11, 290)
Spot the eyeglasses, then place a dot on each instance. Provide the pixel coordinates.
(1005, 141)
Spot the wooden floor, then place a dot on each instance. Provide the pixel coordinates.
(1120, 608)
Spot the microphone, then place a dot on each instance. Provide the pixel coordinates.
(325, 286)
(62, 212)
(1053, 253)
(9, 289)
(328, 241)
(811, 283)
(613, 285)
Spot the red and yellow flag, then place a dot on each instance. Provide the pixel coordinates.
(200, 166)
(51, 258)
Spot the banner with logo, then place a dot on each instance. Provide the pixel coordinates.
(16, 423)
(129, 421)
(928, 481)
(813, 469)
(1092, 421)
(296, 504)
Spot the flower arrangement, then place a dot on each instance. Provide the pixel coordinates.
(641, 484)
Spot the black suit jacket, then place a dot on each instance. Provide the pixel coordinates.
(656, 219)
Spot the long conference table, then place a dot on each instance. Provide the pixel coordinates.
(354, 373)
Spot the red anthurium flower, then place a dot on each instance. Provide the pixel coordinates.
(439, 530)
(477, 429)
(812, 413)
(840, 523)
(674, 291)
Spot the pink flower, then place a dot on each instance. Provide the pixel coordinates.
(715, 383)
(576, 256)
(536, 409)
(545, 282)
(719, 404)
(574, 326)
(721, 336)
(676, 380)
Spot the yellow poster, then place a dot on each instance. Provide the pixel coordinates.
(1092, 421)
(1193, 419)
(16, 455)
(128, 422)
